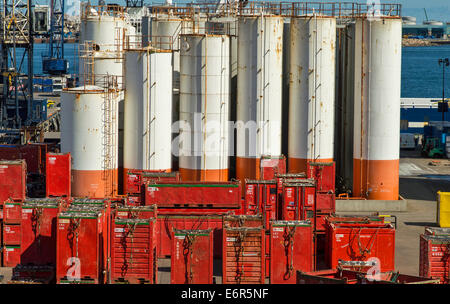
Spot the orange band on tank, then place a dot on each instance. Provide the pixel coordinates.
(299, 165)
(92, 184)
(204, 175)
(247, 168)
(376, 179)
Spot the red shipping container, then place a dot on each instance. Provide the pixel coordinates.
(12, 234)
(434, 258)
(12, 212)
(324, 174)
(79, 255)
(133, 251)
(13, 184)
(242, 221)
(166, 224)
(261, 198)
(360, 242)
(325, 202)
(137, 178)
(192, 257)
(11, 255)
(139, 212)
(243, 255)
(58, 174)
(290, 250)
(39, 218)
(271, 166)
(194, 194)
(298, 200)
(320, 221)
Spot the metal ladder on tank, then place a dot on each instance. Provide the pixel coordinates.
(87, 54)
(108, 134)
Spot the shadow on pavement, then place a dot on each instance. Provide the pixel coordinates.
(422, 188)
(422, 224)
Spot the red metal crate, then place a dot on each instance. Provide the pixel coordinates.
(298, 199)
(326, 201)
(434, 259)
(320, 220)
(13, 183)
(39, 218)
(132, 200)
(291, 249)
(243, 255)
(166, 224)
(132, 212)
(359, 242)
(79, 255)
(58, 174)
(12, 212)
(137, 178)
(12, 234)
(242, 221)
(192, 257)
(271, 166)
(324, 174)
(194, 194)
(133, 251)
(11, 255)
(261, 198)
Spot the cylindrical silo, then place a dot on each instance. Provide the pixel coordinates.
(312, 91)
(378, 47)
(204, 107)
(259, 92)
(89, 127)
(147, 110)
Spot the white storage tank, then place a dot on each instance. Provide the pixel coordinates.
(89, 129)
(259, 92)
(147, 110)
(204, 107)
(312, 91)
(377, 68)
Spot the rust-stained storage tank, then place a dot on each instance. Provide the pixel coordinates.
(259, 92)
(377, 68)
(89, 132)
(147, 110)
(204, 107)
(312, 89)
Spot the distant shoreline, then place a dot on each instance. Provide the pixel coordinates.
(409, 42)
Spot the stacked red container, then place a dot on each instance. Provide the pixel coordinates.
(347, 241)
(192, 257)
(434, 258)
(13, 180)
(271, 166)
(58, 175)
(291, 250)
(12, 233)
(243, 255)
(79, 256)
(298, 200)
(133, 251)
(261, 198)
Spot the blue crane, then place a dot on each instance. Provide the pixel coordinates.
(54, 63)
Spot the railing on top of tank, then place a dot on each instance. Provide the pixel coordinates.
(171, 11)
(165, 43)
(112, 10)
(210, 28)
(289, 9)
(89, 83)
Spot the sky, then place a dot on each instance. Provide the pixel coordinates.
(436, 9)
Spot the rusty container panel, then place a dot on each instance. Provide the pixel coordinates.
(434, 258)
(290, 250)
(137, 178)
(271, 166)
(243, 255)
(192, 257)
(38, 244)
(136, 212)
(360, 242)
(326, 202)
(13, 175)
(12, 212)
(58, 174)
(132, 200)
(11, 255)
(12, 234)
(166, 223)
(79, 247)
(243, 221)
(324, 174)
(194, 194)
(133, 251)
